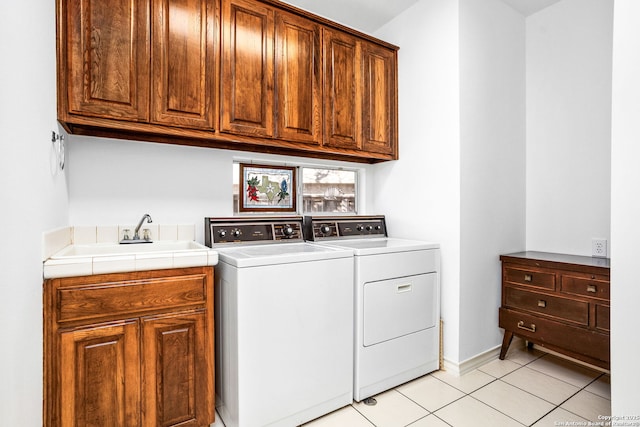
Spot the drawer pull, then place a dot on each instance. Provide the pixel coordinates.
(404, 288)
(542, 303)
(592, 288)
(531, 328)
(528, 277)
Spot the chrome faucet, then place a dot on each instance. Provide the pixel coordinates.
(136, 236)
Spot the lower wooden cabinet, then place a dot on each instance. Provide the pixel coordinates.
(557, 301)
(130, 349)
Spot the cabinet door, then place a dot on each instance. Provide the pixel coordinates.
(380, 99)
(342, 90)
(246, 104)
(183, 62)
(178, 371)
(100, 376)
(298, 89)
(107, 61)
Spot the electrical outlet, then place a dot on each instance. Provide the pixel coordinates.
(599, 248)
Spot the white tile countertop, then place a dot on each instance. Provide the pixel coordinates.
(81, 251)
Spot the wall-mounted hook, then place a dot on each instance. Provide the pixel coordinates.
(58, 146)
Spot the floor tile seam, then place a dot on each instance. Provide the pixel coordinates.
(504, 375)
(428, 415)
(573, 395)
(364, 416)
(560, 379)
(497, 410)
(529, 393)
(538, 420)
(595, 379)
(540, 397)
(434, 411)
(525, 364)
(473, 391)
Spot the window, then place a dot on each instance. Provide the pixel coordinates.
(321, 190)
(328, 190)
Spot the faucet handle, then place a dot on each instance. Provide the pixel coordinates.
(125, 234)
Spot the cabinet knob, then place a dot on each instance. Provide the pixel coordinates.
(592, 288)
(542, 303)
(528, 277)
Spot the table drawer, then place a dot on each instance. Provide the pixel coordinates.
(530, 277)
(562, 308)
(549, 332)
(591, 286)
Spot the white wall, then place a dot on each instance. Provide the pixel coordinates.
(492, 163)
(33, 197)
(420, 193)
(625, 210)
(568, 125)
(117, 181)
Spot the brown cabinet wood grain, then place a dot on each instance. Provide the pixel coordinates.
(557, 301)
(251, 75)
(247, 95)
(130, 349)
(342, 90)
(183, 63)
(104, 64)
(380, 103)
(99, 375)
(298, 79)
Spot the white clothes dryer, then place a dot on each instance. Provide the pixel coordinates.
(397, 300)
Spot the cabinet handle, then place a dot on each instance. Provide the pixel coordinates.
(542, 303)
(592, 288)
(404, 288)
(531, 328)
(528, 277)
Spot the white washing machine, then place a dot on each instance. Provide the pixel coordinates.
(284, 315)
(397, 300)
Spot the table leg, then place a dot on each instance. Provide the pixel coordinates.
(506, 342)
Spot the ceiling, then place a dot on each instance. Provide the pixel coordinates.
(369, 15)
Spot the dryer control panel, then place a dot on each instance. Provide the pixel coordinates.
(223, 231)
(318, 228)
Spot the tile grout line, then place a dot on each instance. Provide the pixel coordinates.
(465, 394)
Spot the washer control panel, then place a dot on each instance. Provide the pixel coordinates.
(222, 231)
(344, 227)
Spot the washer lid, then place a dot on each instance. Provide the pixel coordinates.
(253, 256)
(381, 246)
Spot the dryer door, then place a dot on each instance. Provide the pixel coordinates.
(396, 307)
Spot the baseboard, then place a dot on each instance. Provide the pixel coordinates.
(472, 363)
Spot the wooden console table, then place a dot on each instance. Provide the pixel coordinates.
(557, 301)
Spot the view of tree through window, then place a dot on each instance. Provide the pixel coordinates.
(328, 190)
(323, 190)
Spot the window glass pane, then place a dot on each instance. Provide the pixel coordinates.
(329, 190)
(323, 190)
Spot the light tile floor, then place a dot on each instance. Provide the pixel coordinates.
(528, 388)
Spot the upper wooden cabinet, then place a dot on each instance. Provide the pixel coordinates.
(380, 103)
(298, 79)
(246, 105)
(104, 63)
(342, 90)
(183, 63)
(254, 75)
